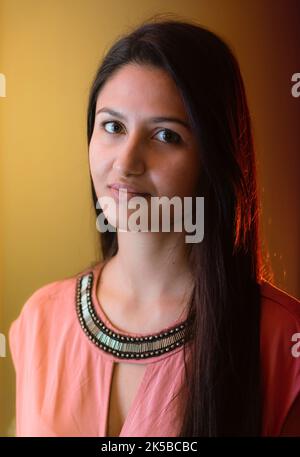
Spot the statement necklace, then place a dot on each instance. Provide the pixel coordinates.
(122, 345)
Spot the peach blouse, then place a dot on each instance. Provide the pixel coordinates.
(63, 378)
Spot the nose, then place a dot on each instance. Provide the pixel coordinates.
(129, 159)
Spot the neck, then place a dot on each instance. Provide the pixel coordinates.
(153, 269)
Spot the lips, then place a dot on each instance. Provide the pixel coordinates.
(130, 189)
(118, 191)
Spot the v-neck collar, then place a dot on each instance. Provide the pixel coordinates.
(134, 404)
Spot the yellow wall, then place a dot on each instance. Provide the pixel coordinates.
(49, 51)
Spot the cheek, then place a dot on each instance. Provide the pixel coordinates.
(94, 161)
(190, 173)
(179, 177)
(99, 166)
(97, 157)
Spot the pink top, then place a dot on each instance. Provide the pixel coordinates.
(63, 379)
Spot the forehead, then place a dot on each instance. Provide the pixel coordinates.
(143, 89)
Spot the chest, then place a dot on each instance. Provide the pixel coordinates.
(124, 389)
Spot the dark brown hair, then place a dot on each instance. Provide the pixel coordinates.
(223, 380)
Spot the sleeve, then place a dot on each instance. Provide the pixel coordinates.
(15, 336)
(280, 339)
(19, 330)
(13, 342)
(291, 426)
(32, 312)
(23, 335)
(291, 422)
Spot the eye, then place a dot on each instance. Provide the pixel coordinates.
(103, 124)
(168, 135)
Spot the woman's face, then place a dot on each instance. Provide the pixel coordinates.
(159, 157)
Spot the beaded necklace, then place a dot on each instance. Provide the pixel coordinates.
(122, 345)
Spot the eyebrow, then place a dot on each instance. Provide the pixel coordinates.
(155, 119)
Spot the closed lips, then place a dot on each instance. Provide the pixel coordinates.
(122, 187)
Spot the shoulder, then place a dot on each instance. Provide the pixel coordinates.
(280, 315)
(44, 300)
(49, 305)
(278, 300)
(280, 354)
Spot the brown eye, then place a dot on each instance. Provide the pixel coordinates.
(113, 130)
(169, 136)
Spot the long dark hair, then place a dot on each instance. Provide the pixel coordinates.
(223, 380)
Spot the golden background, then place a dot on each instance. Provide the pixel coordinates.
(49, 52)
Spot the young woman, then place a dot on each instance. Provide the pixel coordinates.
(164, 337)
